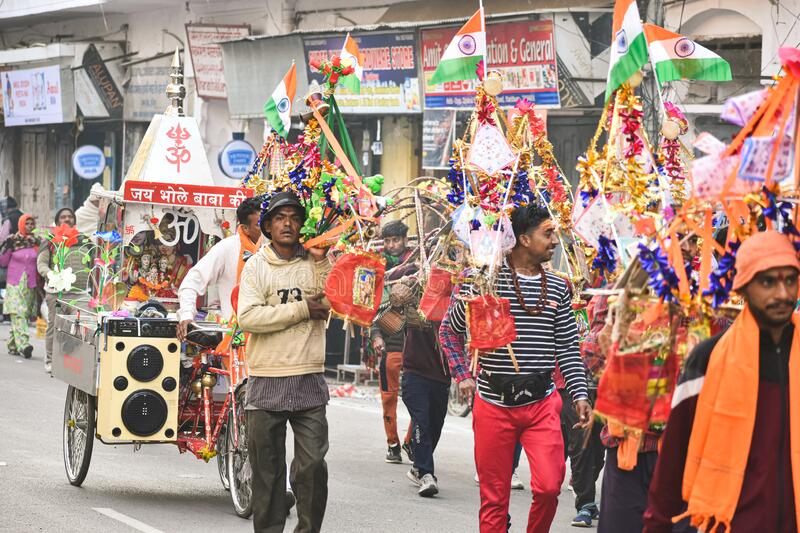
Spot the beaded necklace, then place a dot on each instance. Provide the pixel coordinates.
(539, 307)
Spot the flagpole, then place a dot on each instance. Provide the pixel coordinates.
(483, 29)
(663, 112)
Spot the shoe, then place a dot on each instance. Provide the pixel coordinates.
(393, 455)
(409, 451)
(583, 518)
(477, 480)
(12, 352)
(290, 501)
(516, 482)
(592, 508)
(27, 351)
(428, 486)
(413, 476)
(48, 367)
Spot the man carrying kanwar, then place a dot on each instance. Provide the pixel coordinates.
(730, 457)
(221, 266)
(281, 306)
(390, 347)
(541, 305)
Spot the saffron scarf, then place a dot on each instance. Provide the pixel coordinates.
(246, 250)
(723, 425)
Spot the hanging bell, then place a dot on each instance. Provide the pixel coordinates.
(197, 387)
(208, 380)
(315, 100)
(493, 83)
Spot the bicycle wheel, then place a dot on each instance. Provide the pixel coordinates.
(456, 404)
(239, 472)
(222, 456)
(79, 429)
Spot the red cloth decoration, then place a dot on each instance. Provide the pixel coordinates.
(436, 296)
(355, 285)
(491, 324)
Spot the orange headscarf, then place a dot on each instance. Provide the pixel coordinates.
(21, 225)
(246, 246)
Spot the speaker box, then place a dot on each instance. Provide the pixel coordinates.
(137, 397)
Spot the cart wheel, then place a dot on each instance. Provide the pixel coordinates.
(239, 471)
(456, 404)
(222, 457)
(79, 428)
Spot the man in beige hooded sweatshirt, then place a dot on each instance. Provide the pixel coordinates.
(281, 306)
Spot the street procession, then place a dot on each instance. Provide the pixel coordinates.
(439, 266)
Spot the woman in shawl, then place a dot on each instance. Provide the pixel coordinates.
(19, 255)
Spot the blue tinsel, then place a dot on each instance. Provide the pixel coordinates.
(587, 196)
(456, 194)
(662, 276)
(721, 279)
(605, 262)
(522, 193)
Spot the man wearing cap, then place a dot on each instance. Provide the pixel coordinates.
(389, 347)
(44, 264)
(728, 450)
(281, 306)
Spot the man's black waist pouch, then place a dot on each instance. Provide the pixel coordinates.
(518, 389)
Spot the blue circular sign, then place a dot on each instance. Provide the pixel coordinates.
(88, 161)
(236, 158)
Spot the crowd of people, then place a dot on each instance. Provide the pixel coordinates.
(546, 407)
(723, 459)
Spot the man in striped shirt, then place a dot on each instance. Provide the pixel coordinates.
(546, 333)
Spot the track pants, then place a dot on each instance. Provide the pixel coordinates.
(497, 431)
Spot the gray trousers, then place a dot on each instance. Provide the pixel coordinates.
(50, 333)
(266, 445)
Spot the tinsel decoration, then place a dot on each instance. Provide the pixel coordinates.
(663, 279)
(721, 278)
(605, 261)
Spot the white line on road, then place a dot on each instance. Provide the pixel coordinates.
(127, 520)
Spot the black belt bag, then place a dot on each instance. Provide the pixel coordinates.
(518, 389)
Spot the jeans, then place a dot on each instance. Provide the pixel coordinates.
(586, 463)
(426, 400)
(266, 442)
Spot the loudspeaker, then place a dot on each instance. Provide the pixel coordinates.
(137, 397)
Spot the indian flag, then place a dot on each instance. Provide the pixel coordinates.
(278, 109)
(462, 55)
(676, 57)
(628, 48)
(351, 53)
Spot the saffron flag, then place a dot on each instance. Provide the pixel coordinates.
(462, 55)
(351, 53)
(628, 50)
(278, 109)
(676, 57)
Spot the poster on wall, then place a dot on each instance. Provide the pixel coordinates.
(144, 95)
(207, 56)
(438, 130)
(390, 82)
(524, 52)
(32, 96)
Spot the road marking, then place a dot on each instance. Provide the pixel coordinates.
(127, 520)
(3, 463)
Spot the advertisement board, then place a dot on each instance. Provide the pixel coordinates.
(207, 56)
(32, 96)
(524, 52)
(144, 95)
(390, 82)
(438, 129)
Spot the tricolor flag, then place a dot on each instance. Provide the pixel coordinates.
(462, 55)
(350, 51)
(676, 57)
(278, 109)
(628, 47)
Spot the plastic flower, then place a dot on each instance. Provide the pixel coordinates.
(111, 237)
(61, 280)
(66, 235)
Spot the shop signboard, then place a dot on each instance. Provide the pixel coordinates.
(207, 56)
(524, 52)
(144, 95)
(389, 84)
(32, 96)
(88, 161)
(104, 84)
(236, 158)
